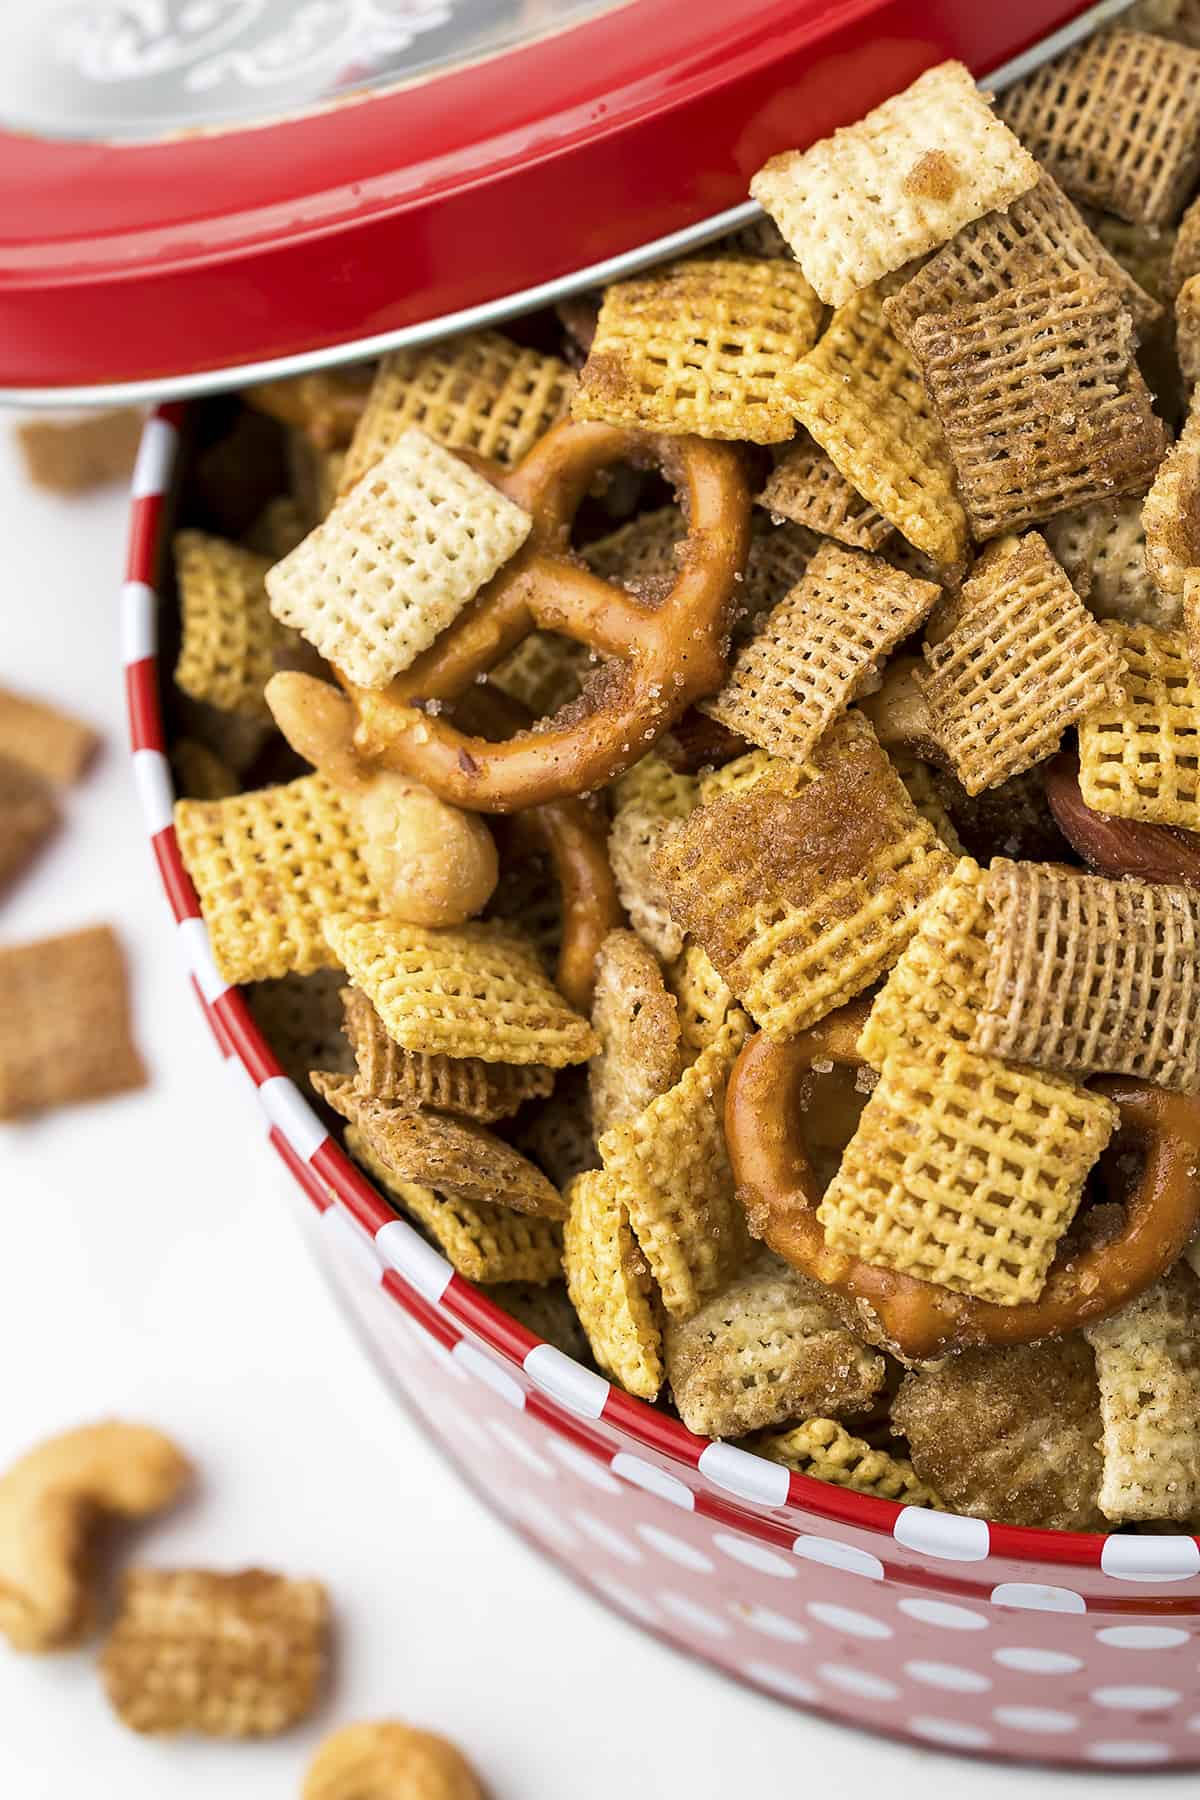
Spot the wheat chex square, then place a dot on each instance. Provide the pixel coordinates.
(807, 488)
(65, 1029)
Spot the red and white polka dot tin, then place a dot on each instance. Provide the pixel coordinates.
(1061, 1647)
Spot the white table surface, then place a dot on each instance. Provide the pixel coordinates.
(150, 1270)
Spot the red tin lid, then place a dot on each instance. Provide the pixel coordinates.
(193, 190)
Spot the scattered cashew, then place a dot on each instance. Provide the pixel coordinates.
(432, 863)
(50, 1502)
(389, 1761)
(900, 714)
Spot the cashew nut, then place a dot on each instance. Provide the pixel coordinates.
(389, 1761)
(432, 863)
(51, 1500)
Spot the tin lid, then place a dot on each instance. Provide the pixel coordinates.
(198, 191)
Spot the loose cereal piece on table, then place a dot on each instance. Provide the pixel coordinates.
(860, 395)
(807, 488)
(703, 346)
(1089, 975)
(1102, 547)
(28, 816)
(389, 1761)
(1148, 1366)
(965, 1173)
(763, 1350)
(480, 392)
(894, 185)
(226, 655)
(815, 650)
(51, 1501)
(825, 1450)
(397, 559)
(475, 991)
(937, 987)
(270, 866)
(1171, 512)
(1139, 758)
(649, 799)
(1023, 661)
(1041, 231)
(466, 1085)
(325, 404)
(1040, 398)
(227, 1655)
(438, 1151)
(672, 1171)
(1117, 121)
(301, 1018)
(65, 1029)
(1009, 1434)
(482, 1241)
(636, 1021)
(802, 899)
(611, 1288)
(72, 456)
(49, 742)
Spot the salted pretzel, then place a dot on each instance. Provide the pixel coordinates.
(663, 656)
(914, 1318)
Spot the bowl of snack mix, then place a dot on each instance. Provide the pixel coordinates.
(682, 792)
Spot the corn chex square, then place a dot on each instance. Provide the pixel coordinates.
(480, 392)
(1023, 661)
(1091, 975)
(1171, 512)
(813, 652)
(965, 1173)
(937, 988)
(611, 1289)
(807, 488)
(701, 347)
(1040, 398)
(1139, 755)
(397, 559)
(824, 1449)
(1117, 121)
(1148, 1366)
(226, 652)
(861, 396)
(894, 185)
(269, 866)
(650, 798)
(803, 898)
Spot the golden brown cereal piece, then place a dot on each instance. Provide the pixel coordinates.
(301, 1018)
(1184, 250)
(465, 1085)
(1171, 512)
(544, 672)
(640, 556)
(49, 742)
(965, 1173)
(557, 1133)
(547, 1312)
(200, 774)
(1140, 757)
(475, 991)
(649, 799)
(278, 528)
(484, 1242)
(636, 1021)
(1023, 661)
(807, 488)
(861, 396)
(672, 1172)
(1009, 1434)
(1187, 330)
(51, 1501)
(704, 1002)
(65, 1028)
(703, 346)
(435, 1150)
(226, 653)
(389, 1761)
(779, 555)
(803, 899)
(325, 404)
(1148, 1367)
(894, 185)
(1041, 232)
(479, 392)
(269, 867)
(921, 784)
(1092, 976)
(1117, 121)
(397, 559)
(1102, 547)
(766, 1348)
(227, 1655)
(28, 816)
(817, 648)
(611, 1288)
(827, 1451)
(1040, 398)
(937, 988)
(71, 456)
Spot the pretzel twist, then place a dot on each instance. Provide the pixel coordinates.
(914, 1318)
(663, 656)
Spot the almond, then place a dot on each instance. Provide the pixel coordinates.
(1118, 847)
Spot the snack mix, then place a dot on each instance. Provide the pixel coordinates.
(708, 799)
